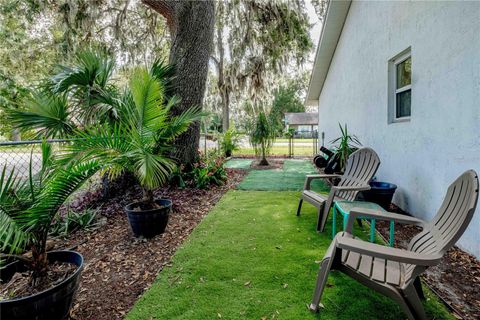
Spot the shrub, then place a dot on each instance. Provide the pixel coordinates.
(206, 171)
(73, 221)
(229, 142)
(209, 171)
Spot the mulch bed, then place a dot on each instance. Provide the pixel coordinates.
(456, 279)
(118, 267)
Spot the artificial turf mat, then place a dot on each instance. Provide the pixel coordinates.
(238, 163)
(252, 258)
(290, 177)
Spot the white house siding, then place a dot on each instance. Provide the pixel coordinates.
(442, 140)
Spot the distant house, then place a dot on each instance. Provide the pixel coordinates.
(304, 123)
(405, 77)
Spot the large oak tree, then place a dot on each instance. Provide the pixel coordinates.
(191, 25)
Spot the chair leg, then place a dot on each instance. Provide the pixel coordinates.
(299, 206)
(323, 216)
(418, 286)
(320, 217)
(414, 303)
(322, 276)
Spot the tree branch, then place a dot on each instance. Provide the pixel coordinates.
(167, 9)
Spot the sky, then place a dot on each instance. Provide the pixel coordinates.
(315, 35)
(317, 28)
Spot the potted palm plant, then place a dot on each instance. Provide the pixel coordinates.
(140, 143)
(262, 137)
(345, 145)
(39, 284)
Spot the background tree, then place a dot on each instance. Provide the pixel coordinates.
(255, 43)
(37, 35)
(286, 99)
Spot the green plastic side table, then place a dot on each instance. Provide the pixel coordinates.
(344, 208)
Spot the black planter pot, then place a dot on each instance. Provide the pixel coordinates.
(149, 223)
(51, 304)
(380, 193)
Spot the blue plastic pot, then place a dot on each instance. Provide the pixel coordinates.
(380, 193)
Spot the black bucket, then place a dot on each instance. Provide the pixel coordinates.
(380, 193)
(149, 223)
(51, 304)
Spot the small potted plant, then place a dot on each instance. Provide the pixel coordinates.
(229, 142)
(345, 145)
(140, 143)
(38, 284)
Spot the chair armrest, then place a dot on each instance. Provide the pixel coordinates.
(310, 177)
(356, 213)
(351, 188)
(387, 253)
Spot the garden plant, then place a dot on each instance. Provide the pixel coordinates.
(345, 145)
(27, 209)
(262, 137)
(229, 141)
(139, 142)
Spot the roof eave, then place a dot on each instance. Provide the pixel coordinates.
(332, 29)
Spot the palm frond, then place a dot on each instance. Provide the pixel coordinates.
(147, 94)
(165, 73)
(179, 124)
(55, 192)
(48, 114)
(152, 170)
(105, 143)
(91, 68)
(13, 238)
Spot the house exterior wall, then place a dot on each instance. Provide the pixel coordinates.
(442, 138)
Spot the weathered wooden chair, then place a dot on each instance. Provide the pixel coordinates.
(395, 272)
(360, 168)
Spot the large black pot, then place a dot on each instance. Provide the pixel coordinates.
(148, 223)
(380, 193)
(51, 304)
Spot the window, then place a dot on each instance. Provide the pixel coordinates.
(400, 87)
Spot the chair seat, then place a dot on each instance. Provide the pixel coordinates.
(315, 196)
(376, 269)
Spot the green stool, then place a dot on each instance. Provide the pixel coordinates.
(344, 208)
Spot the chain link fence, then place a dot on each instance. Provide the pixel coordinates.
(16, 155)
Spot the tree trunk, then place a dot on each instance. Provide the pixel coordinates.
(191, 26)
(224, 92)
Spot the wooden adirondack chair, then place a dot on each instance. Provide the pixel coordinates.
(395, 272)
(360, 168)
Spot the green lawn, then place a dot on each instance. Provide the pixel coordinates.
(306, 140)
(252, 258)
(278, 151)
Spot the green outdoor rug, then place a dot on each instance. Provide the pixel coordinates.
(238, 163)
(290, 178)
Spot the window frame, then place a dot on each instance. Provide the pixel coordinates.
(393, 91)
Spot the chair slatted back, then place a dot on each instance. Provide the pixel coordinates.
(360, 168)
(451, 220)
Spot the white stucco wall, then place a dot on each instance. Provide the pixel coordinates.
(442, 139)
